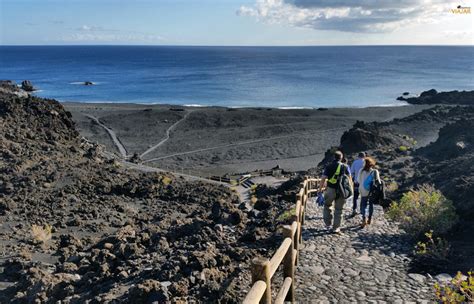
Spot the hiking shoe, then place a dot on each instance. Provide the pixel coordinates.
(337, 231)
(364, 223)
(369, 221)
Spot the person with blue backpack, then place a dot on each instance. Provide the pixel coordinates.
(367, 176)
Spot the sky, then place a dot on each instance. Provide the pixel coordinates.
(236, 22)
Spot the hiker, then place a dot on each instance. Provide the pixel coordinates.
(366, 177)
(330, 179)
(355, 168)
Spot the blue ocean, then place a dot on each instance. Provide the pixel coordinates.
(332, 76)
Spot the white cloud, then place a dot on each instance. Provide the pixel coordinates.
(99, 34)
(85, 28)
(112, 38)
(93, 28)
(459, 34)
(348, 15)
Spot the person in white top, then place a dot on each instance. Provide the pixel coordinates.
(355, 168)
(365, 178)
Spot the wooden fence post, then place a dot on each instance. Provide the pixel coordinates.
(261, 271)
(296, 238)
(289, 264)
(303, 209)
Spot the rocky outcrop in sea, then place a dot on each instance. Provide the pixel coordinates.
(434, 97)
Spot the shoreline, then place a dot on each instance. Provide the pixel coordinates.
(203, 106)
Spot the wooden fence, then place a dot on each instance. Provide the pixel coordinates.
(263, 270)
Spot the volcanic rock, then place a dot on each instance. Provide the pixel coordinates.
(104, 228)
(27, 86)
(434, 97)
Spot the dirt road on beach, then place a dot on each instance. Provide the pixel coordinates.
(145, 168)
(168, 132)
(112, 135)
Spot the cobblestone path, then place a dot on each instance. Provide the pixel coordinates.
(369, 265)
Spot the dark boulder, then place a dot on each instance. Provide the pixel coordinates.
(136, 159)
(149, 291)
(263, 204)
(453, 142)
(27, 86)
(367, 136)
(429, 93)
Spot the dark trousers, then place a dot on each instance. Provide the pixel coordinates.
(355, 197)
(364, 201)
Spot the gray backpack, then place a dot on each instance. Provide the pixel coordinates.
(344, 184)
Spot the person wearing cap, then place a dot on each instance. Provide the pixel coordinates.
(329, 180)
(356, 166)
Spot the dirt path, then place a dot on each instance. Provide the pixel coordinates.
(145, 168)
(112, 135)
(167, 136)
(240, 144)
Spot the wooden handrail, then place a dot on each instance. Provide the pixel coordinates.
(255, 293)
(263, 269)
(301, 193)
(280, 299)
(279, 255)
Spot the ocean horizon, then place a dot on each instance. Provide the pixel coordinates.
(236, 76)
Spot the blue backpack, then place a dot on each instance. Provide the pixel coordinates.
(368, 181)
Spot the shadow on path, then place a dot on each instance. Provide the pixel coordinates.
(384, 243)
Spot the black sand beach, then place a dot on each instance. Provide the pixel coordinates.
(215, 140)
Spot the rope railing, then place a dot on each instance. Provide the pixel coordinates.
(263, 269)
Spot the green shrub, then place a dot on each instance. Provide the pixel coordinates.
(432, 251)
(422, 210)
(285, 216)
(458, 290)
(403, 148)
